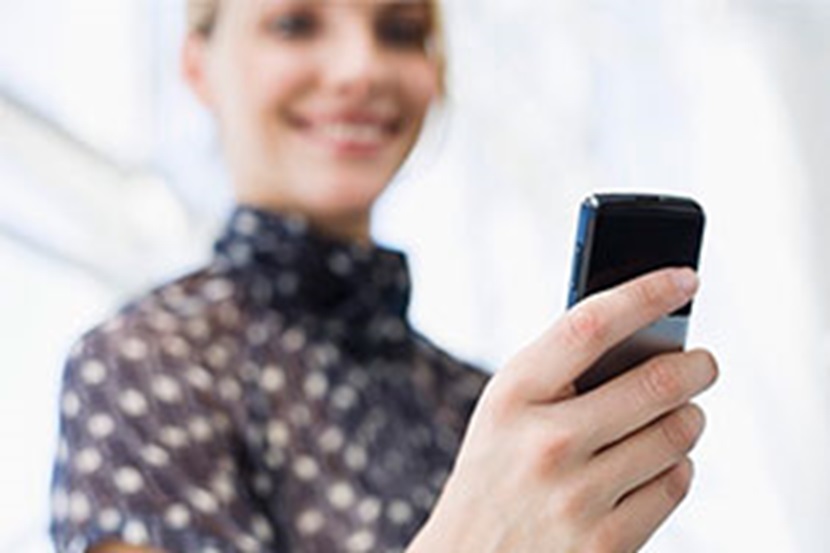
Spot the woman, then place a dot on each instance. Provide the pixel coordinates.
(279, 400)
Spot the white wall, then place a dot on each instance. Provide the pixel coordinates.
(550, 101)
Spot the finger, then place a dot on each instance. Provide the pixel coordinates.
(642, 457)
(640, 396)
(628, 527)
(575, 342)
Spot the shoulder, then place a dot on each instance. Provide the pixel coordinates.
(183, 329)
(459, 382)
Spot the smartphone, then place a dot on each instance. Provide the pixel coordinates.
(623, 236)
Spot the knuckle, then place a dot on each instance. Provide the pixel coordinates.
(710, 362)
(586, 326)
(557, 447)
(651, 291)
(678, 481)
(501, 401)
(663, 382)
(603, 540)
(575, 502)
(682, 429)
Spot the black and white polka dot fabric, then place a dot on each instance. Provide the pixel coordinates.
(276, 401)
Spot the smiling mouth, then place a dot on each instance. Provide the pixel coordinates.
(351, 135)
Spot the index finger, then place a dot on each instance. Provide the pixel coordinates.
(550, 364)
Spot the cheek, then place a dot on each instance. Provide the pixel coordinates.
(421, 84)
(275, 81)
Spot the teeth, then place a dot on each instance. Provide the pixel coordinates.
(349, 132)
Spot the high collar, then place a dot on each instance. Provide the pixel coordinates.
(300, 271)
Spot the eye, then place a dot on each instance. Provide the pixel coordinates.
(299, 24)
(403, 31)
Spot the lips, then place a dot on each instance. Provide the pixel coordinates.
(358, 133)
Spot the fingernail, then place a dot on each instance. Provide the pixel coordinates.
(687, 280)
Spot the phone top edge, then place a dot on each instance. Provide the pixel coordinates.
(628, 200)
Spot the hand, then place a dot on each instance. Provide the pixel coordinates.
(544, 470)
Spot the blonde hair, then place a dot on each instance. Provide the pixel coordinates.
(202, 16)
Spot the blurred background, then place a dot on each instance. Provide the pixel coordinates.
(110, 182)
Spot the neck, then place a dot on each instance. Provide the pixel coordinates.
(348, 227)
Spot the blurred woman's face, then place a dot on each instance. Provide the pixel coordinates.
(319, 102)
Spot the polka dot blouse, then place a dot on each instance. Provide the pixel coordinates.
(276, 401)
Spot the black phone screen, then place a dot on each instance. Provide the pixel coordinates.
(634, 237)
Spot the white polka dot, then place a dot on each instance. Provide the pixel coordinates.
(113, 325)
(344, 397)
(306, 468)
(163, 322)
(257, 334)
(100, 425)
(340, 263)
(255, 434)
(132, 403)
(93, 372)
(230, 390)
(229, 316)
(300, 415)
(221, 422)
(223, 487)
(63, 451)
(288, 283)
(358, 379)
(316, 385)
(331, 439)
(310, 522)
(341, 495)
(109, 519)
(273, 379)
(249, 371)
(176, 346)
(369, 509)
(128, 480)
(274, 459)
(135, 533)
(239, 252)
(360, 542)
(177, 517)
(60, 504)
(278, 434)
(293, 340)
(200, 429)
(166, 389)
(155, 456)
(399, 512)
(203, 500)
(134, 349)
(173, 436)
(424, 497)
(217, 356)
(199, 378)
(70, 405)
(356, 458)
(393, 329)
(246, 224)
(79, 508)
(218, 289)
(197, 329)
(247, 544)
(262, 528)
(88, 460)
(263, 484)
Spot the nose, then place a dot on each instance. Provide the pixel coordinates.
(355, 63)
